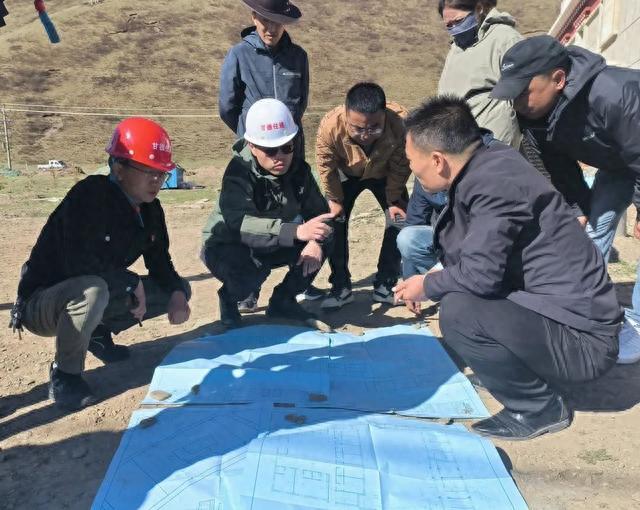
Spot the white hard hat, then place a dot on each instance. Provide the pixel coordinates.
(269, 124)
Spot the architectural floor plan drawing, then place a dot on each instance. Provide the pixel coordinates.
(399, 369)
(259, 458)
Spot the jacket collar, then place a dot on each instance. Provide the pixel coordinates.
(251, 37)
(487, 140)
(585, 66)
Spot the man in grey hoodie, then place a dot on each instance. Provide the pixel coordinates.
(481, 35)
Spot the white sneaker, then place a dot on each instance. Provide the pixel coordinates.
(629, 343)
(383, 294)
(311, 294)
(338, 298)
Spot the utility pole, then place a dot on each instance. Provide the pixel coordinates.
(6, 137)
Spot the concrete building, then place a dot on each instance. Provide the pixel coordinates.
(608, 27)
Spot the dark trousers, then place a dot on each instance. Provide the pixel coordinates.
(117, 316)
(389, 258)
(520, 356)
(242, 271)
(71, 310)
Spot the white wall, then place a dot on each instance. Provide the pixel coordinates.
(563, 4)
(613, 31)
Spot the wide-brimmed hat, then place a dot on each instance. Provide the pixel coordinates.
(279, 11)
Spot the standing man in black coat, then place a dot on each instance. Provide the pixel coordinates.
(76, 285)
(525, 296)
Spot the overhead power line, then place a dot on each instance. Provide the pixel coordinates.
(97, 109)
(108, 114)
(127, 114)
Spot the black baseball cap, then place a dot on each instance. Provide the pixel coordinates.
(526, 59)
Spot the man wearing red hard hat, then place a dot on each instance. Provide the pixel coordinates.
(76, 285)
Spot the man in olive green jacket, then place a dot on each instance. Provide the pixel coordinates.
(270, 213)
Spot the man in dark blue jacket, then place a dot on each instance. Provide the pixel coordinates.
(265, 64)
(525, 296)
(574, 107)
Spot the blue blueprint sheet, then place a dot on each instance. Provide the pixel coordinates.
(399, 369)
(265, 458)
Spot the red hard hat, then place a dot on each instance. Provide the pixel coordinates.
(143, 141)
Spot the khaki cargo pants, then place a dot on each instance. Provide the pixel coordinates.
(72, 309)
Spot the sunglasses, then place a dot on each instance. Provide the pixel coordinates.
(273, 151)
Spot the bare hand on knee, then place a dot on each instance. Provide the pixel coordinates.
(178, 309)
(310, 258)
(140, 302)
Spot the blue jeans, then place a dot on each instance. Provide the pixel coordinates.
(415, 244)
(610, 196)
(635, 298)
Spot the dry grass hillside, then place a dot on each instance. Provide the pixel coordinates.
(145, 57)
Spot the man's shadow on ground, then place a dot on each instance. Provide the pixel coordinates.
(107, 380)
(617, 390)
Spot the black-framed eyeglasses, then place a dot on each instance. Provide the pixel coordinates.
(273, 151)
(150, 175)
(371, 131)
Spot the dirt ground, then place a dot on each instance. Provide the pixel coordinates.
(54, 460)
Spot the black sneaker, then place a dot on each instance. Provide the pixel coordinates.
(288, 309)
(69, 392)
(521, 426)
(229, 314)
(250, 304)
(337, 298)
(383, 293)
(102, 347)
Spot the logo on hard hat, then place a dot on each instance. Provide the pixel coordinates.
(273, 127)
(164, 147)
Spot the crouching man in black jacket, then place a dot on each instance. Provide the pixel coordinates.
(525, 296)
(76, 286)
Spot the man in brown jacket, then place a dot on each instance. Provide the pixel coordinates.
(360, 146)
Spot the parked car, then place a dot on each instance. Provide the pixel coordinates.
(53, 164)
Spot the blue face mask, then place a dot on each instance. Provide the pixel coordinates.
(465, 33)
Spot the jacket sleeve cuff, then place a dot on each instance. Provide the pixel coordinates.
(434, 287)
(334, 195)
(287, 236)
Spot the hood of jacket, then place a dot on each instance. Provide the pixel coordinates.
(495, 17)
(585, 66)
(250, 36)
